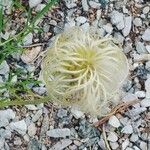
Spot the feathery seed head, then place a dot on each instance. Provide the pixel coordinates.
(84, 70)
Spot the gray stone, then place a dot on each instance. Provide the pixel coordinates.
(57, 133)
(140, 94)
(147, 87)
(39, 90)
(108, 28)
(70, 4)
(137, 111)
(33, 3)
(94, 4)
(4, 133)
(85, 5)
(146, 9)
(128, 25)
(146, 35)
(77, 113)
(119, 37)
(117, 19)
(19, 126)
(113, 121)
(34, 144)
(114, 145)
(32, 130)
(81, 19)
(4, 68)
(140, 48)
(147, 48)
(128, 129)
(62, 113)
(2, 142)
(112, 137)
(134, 137)
(137, 22)
(17, 141)
(125, 144)
(143, 145)
(37, 115)
(31, 107)
(28, 39)
(147, 66)
(39, 7)
(145, 102)
(85, 26)
(45, 125)
(61, 144)
(5, 116)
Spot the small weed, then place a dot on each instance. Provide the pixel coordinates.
(19, 93)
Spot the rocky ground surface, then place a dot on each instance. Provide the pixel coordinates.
(52, 127)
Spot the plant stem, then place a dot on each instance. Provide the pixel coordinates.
(23, 102)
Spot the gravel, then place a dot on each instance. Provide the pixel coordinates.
(50, 126)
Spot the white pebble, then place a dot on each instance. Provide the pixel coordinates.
(108, 28)
(146, 35)
(77, 113)
(147, 48)
(128, 25)
(85, 5)
(33, 3)
(140, 48)
(117, 19)
(146, 9)
(134, 137)
(57, 133)
(19, 126)
(81, 19)
(125, 144)
(114, 145)
(112, 137)
(140, 94)
(113, 121)
(37, 115)
(28, 39)
(32, 130)
(147, 87)
(128, 129)
(94, 4)
(39, 7)
(145, 102)
(137, 22)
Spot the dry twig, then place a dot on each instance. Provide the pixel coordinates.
(118, 109)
